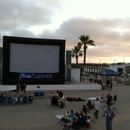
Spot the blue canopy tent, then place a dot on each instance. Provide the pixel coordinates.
(108, 73)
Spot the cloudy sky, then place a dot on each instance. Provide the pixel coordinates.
(107, 22)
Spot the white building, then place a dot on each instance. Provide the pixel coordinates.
(122, 68)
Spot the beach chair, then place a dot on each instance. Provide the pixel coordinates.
(30, 99)
(2, 99)
(18, 101)
(9, 100)
(82, 122)
(25, 100)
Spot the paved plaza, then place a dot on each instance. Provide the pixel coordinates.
(40, 115)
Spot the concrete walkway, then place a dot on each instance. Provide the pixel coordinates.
(87, 86)
(40, 115)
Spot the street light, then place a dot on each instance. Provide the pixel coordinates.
(104, 73)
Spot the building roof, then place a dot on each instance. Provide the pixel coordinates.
(109, 73)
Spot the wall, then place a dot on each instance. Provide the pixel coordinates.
(116, 66)
(68, 66)
(1, 56)
(75, 74)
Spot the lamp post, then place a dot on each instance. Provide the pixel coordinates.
(104, 73)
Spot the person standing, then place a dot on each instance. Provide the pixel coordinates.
(97, 107)
(25, 86)
(85, 110)
(108, 83)
(20, 78)
(111, 84)
(109, 114)
(51, 95)
(17, 88)
(22, 90)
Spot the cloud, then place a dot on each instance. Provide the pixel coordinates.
(25, 13)
(111, 36)
(23, 33)
(109, 40)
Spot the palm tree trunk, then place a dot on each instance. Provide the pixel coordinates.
(76, 59)
(85, 55)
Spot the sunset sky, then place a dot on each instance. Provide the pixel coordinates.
(107, 22)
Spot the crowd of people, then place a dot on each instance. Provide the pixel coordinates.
(96, 105)
(20, 92)
(59, 98)
(4, 96)
(76, 117)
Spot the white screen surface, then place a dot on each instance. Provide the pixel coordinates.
(25, 58)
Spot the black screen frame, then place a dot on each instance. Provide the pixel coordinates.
(9, 78)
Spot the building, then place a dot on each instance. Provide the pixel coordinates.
(122, 67)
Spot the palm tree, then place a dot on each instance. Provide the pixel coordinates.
(76, 52)
(85, 42)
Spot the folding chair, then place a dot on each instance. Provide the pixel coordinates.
(2, 99)
(25, 99)
(30, 99)
(82, 122)
(18, 101)
(9, 100)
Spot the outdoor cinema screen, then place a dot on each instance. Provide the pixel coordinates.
(34, 58)
(40, 61)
